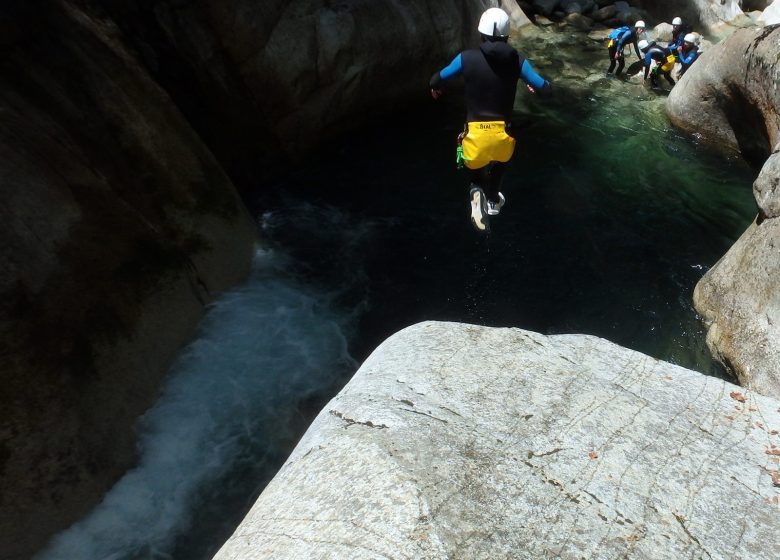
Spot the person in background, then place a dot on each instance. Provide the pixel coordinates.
(618, 39)
(679, 30)
(688, 52)
(664, 62)
(490, 74)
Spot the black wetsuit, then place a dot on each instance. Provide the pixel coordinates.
(490, 74)
(659, 56)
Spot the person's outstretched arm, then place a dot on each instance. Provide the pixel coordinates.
(536, 84)
(451, 70)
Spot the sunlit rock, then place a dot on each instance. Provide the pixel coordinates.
(771, 15)
(731, 97)
(457, 441)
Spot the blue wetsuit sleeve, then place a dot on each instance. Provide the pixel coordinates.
(452, 69)
(622, 39)
(690, 57)
(530, 77)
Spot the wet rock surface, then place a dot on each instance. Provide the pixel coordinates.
(462, 441)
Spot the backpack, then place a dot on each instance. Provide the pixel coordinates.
(616, 33)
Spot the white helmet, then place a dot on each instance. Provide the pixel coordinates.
(677, 21)
(639, 24)
(494, 23)
(643, 44)
(690, 38)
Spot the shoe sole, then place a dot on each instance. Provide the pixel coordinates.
(477, 215)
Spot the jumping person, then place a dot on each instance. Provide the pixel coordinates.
(490, 74)
(688, 52)
(618, 39)
(664, 62)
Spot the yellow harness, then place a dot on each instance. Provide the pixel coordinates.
(486, 142)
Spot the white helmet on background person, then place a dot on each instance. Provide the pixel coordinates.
(639, 24)
(677, 21)
(644, 44)
(690, 38)
(494, 23)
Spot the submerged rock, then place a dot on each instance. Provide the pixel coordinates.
(473, 442)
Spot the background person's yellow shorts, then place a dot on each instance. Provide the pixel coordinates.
(485, 142)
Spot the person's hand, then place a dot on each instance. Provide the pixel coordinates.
(679, 49)
(436, 93)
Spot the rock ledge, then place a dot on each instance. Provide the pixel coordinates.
(457, 441)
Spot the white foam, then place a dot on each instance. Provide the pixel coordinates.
(261, 348)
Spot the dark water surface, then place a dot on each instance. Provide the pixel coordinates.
(611, 219)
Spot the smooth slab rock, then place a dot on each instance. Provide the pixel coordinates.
(457, 441)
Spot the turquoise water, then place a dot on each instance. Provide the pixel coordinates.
(611, 219)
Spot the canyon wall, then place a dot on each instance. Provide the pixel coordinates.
(730, 97)
(127, 130)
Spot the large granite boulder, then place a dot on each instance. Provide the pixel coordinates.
(740, 297)
(730, 96)
(771, 15)
(703, 14)
(456, 441)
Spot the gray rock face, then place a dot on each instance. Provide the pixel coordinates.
(739, 299)
(730, 96)
(766, 189)
(700, 13)
(455, 441)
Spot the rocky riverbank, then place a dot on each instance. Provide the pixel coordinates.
(730, 97)
(462, 441)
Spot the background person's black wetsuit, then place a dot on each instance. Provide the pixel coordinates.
(659, 55)
(491, 73)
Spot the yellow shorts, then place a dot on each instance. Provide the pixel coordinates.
(486, 142)
(669, 64)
